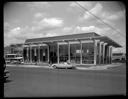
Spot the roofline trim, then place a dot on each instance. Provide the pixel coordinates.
(84, 38)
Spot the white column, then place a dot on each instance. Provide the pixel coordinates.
(30, 54)
(110, 54)
(100, 53)
(27, 54)
(58, 58)
(104, 51)
(69, 52)
(95, 51)
(81, 52)
(39, 53)
(34, 51)
(22, 53)
(48, 53)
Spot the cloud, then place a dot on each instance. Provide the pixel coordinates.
(19, 35)
(50, 34)
(47, 24)
(38, 15)
(79, 29)
(107, 17)
(96, 10)
(11, 35)
(13, 32)
(86, 4)
(67, 29)
(34, 5)
(7, 27)
(111, 18)
(116, 16)
(52, 22)
(41, 28)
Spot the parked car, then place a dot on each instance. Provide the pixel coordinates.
(64, 65)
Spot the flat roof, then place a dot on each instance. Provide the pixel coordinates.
(108, 40)
(81, 36)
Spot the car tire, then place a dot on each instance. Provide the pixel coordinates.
(54, 66)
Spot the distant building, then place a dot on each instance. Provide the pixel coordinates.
(86, 48)
(14, 49)
(118, 56)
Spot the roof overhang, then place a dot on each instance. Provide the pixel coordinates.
(101, 38)
(108, 40)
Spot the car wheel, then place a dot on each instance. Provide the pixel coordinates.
(54, 66)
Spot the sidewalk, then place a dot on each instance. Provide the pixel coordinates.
(97, 67)
(28, 66)
(93, 67)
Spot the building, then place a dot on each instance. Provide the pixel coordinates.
(14, 49)
(85, 48)
(7, 50)
(119, 57)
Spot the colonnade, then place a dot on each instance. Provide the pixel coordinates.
(102, 52)
(105, 53)
(28, 58)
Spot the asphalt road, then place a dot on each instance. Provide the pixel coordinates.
(41, 82)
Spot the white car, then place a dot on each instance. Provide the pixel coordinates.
(64, 65)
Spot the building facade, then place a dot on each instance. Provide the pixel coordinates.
(81, 49)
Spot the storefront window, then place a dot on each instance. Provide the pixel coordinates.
(63, 52)
(32, 54)
(53, 53)
(88, 53)
(25, 53)
(75, 53)
(43, 53)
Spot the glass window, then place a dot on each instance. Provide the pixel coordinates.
(53, 53)
(87, 53)
(63, 53)
(43, 53)
(25, 54)
(75, 53)
(32, 53)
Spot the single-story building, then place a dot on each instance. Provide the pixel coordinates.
(84, 48)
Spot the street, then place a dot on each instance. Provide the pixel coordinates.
(42, 82)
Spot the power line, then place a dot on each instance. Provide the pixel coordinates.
(99, 19)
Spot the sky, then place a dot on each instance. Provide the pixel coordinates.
(24, 20)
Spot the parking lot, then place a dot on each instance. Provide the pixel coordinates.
(44, 82)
